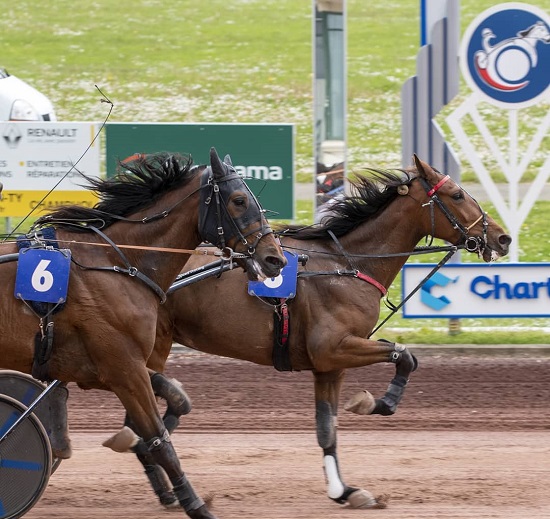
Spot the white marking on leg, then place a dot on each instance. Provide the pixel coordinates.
(335, 486)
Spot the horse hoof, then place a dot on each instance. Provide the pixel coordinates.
(363, 499)
(169, 504)
(122, 441)
(362, 403)
(62, 453)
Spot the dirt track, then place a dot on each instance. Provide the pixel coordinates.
(470, 440)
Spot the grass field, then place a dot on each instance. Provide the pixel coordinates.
(239, 61)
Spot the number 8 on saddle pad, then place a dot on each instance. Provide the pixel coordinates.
(43, 275)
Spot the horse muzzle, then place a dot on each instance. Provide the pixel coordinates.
(260, 268)
(493, 251)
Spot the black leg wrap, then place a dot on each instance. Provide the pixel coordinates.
(186, 495)
(170, 420)
(59, 435)
(326, 435)
(164, 455)
(387, 405)
(160, 485)
(176, 398)
(155, 474)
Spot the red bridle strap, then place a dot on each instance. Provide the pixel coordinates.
(434, 189)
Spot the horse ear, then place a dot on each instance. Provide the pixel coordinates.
(227, 160)
(424, 169)
(218, 168)
(418, 164)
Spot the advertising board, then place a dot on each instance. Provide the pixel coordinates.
(37, 157)
(262, 153)
(478, 290)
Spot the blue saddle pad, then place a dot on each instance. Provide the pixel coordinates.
(42, 273)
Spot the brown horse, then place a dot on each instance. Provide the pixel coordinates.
(354, 256)
(125, 253)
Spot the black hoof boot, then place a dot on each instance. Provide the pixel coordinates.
(387, 405)
(172, 391)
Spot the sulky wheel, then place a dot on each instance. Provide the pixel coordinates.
(26, 389)
(25, 460)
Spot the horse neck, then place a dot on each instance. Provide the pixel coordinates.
(380, 235)
(178, 231)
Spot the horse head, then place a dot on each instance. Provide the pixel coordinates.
(455, 216)
(231, 216)
(538, 31)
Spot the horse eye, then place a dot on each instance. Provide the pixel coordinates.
(458, 196)
(239, 201)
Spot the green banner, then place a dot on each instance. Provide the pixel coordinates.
(261, 153)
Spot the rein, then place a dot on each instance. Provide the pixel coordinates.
(395, 308)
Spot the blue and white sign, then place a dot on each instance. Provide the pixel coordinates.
(284, 285)
(478, 290)
(43, 275)
(505, 55)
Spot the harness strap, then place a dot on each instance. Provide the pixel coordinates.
(347, 273)
(286, 323)
(280, 355)
(372, 281)
(356, 272)
(131, 271)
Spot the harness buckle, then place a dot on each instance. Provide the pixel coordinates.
(226, 253)
(132, 271)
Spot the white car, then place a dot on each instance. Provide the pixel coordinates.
(21, 102)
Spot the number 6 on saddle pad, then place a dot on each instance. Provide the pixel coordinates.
(43, 275)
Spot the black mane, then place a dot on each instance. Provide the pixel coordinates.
(369, 196)
(138, 184)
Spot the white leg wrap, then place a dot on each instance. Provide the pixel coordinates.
(335, 485)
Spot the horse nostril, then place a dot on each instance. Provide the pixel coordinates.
(504, 240)
(276, 261)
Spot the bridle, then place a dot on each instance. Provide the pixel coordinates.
(220, 227)
(471, 243)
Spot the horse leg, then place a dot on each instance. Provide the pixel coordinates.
(59, 434)
(178, 403)
(327, 391)
(143, 412)
(405, 363)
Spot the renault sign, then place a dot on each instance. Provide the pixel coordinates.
(36, 165)
(477, 290)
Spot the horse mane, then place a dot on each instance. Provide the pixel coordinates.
(369, 195)
(138, 184)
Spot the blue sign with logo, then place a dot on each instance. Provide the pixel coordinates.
(43, 275)
(284, 285)
(478, 290)
(505, 54)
